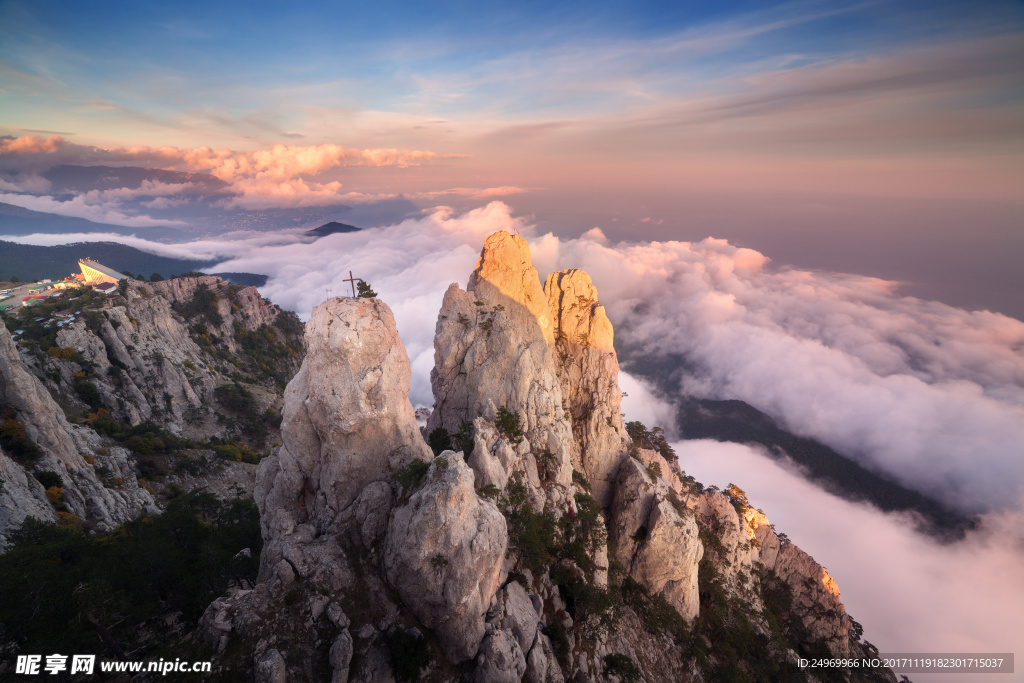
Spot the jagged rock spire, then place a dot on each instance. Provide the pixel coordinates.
(347, 423)
(493, 351)
(589, 376)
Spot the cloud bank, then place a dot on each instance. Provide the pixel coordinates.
(922, 392)
(283, 176)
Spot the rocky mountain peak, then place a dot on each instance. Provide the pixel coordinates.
(347, 424)
(505, 274)
(589, 376)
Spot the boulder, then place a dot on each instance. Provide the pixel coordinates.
(443, 555)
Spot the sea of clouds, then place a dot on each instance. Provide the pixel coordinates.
(928, 394)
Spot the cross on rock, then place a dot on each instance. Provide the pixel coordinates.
(352, 281)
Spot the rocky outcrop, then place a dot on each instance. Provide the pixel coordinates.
(589, 376)
(734, 553)
(44, 422)
(158, 353)
(68, 451)
(816, 597)
(21, 496)
(347, 424)
(492, 352)
(656, 541)
(444, 554)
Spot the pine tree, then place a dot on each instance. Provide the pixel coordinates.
(365, 291)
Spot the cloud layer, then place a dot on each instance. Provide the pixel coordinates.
(283, 176)
(928, 394)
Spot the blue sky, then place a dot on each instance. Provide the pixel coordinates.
(174, 71)
(875, 137)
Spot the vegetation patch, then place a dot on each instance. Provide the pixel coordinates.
(410, 475)
(116, 593)
(15, 440)
(622, 666)
(507, 424)
(653, 439)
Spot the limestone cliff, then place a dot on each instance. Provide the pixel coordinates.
(589, 376)
(537, 542)
(91, 395)
(39, 438)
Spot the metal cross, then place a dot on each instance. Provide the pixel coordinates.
(353, 281)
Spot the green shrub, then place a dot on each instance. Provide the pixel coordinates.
(490, 491)
(364, 291)
(48, 479)
(654, 471)
(463, 441)
(409, 475)
(654, 611)
(439, 440)
(591, 608)
(578, 478)
(507, 424)
(15, 440)
(88, 392)
(236, 398)
(653, 439)
(535, 535)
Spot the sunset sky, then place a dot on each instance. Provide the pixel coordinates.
(872, 137)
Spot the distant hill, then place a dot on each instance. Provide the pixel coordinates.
(331, 228)
(29, 262)
(743, 423)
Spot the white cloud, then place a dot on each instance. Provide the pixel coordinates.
(640, 404)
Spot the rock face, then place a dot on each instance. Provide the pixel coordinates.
(155, 354)
(816, 598)
(492, 350)
(656, 543)
(734, 554)
(588, 376)
(444, 554)
(65, 450)
(347, 424)
(545, 355)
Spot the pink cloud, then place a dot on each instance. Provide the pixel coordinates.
(31, 144)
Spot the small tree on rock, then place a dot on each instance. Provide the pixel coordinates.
(364, 290)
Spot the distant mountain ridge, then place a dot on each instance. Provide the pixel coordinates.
(17, 220)
(30, 262)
